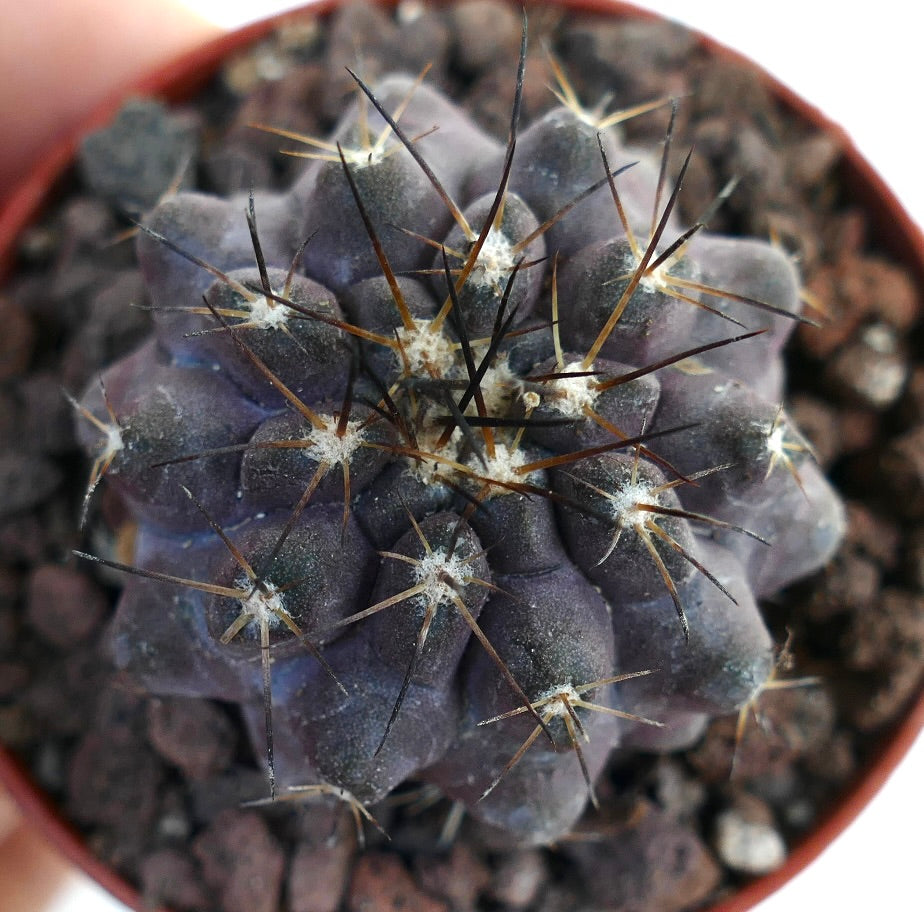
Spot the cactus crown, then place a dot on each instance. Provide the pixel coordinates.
(476, 484)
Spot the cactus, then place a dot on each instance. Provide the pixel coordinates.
(477, 484)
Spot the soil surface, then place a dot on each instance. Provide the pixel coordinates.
(157, 784)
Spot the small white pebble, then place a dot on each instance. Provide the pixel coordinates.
(753, 848)
(880, 338)
(409, 11)
(883, 382)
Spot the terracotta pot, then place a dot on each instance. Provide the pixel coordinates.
(895, 230)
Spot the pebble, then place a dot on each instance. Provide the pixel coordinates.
(901, 469)
(246, 73)
(878, 707)
(856, 290)
(724, 88)
(757, 163)
(356, 25)
(25, 481)
(459, 876)
(491, 98)
(318, 876)
(115, 321)
(677, 791)
(32, 537)
(425, 38)
(63, 605)
(891, 625)
(818, 422)
(171, 878)
(485, 31)
(650, 862)
(248, 157)
(869, 372)
(886, 644)
(875, 535)
(557, 897)
(241, 861)
(631, 57)
(17, 340)
(37, 245)
(67, 697)
(322, 822)
(173, 821)
(84, 222)
(381, 883)
(48, 418)
(796, 721)
(748, 845)
(114, 782)
(135, 160)
(519, 878)
(50, 766)
(226, 791)
(853, 582)
(810, 160)
(837, 763)
(194, 735)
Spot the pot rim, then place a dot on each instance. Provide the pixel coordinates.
(189, 72)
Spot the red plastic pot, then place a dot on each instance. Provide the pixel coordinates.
(895, 231)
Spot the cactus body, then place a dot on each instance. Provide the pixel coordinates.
(411, 495)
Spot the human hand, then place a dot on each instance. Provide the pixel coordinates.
(61, 58)
(30, 871)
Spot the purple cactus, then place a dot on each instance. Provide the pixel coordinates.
(477, 486)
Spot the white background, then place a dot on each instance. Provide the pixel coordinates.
(861, 66)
